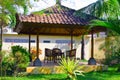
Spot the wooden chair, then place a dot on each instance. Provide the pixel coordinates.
(48, 55)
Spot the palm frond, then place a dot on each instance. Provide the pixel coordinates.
(106, 24)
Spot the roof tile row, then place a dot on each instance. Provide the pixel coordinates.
(55, 16)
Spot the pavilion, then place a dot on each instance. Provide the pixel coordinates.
(60, 21)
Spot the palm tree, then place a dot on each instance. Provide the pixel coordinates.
(105, 9)
(8, 11)
(113, 25)
(108, 11)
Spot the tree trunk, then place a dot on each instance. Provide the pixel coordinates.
(1, 35)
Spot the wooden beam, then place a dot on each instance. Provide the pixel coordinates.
(92, 45)
(29, 46)
(37, 44)
(71, 39)
(82, 47)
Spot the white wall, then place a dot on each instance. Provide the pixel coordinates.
(51, 45)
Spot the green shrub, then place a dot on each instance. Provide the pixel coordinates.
(21, 58)
(112, 51)
(16, 61)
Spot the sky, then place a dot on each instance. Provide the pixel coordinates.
(73, 4)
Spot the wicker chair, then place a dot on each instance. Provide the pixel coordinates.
(71, 54)
(48, 55)
(57, 54)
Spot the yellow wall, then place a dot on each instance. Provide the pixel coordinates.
(99, 53)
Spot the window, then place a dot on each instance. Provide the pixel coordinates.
(64, 41)
(19, 40)
(46, 41)
(32, 41)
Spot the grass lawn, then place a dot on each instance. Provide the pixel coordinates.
(108, 75)
(101, 76)
(39, 77)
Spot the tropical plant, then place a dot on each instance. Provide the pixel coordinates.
(15, 61)
(108, 11)
(7, 63)
(112, 50)
(71, 68)
(21, 56)
(8, 9)
(105, 9)
(18, 48)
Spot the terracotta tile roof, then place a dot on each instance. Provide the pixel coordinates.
(55, 15)
(54, 21)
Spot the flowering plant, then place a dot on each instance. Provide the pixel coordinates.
(33, 52)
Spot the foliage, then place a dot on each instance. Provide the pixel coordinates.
(8, 8)
(109, 9)
(7, 13)
(33, 53)
(18, 48)
(109, 12)
(21, 56)
(113, 25)
(71, 68)
(112, 50)
(15, 61)
(6, 63)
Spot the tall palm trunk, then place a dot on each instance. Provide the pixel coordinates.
(1, 35)
(1, 50)
(1, 32)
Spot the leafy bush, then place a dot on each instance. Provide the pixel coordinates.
(112, 50)
(16, 61)
(21, 58)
